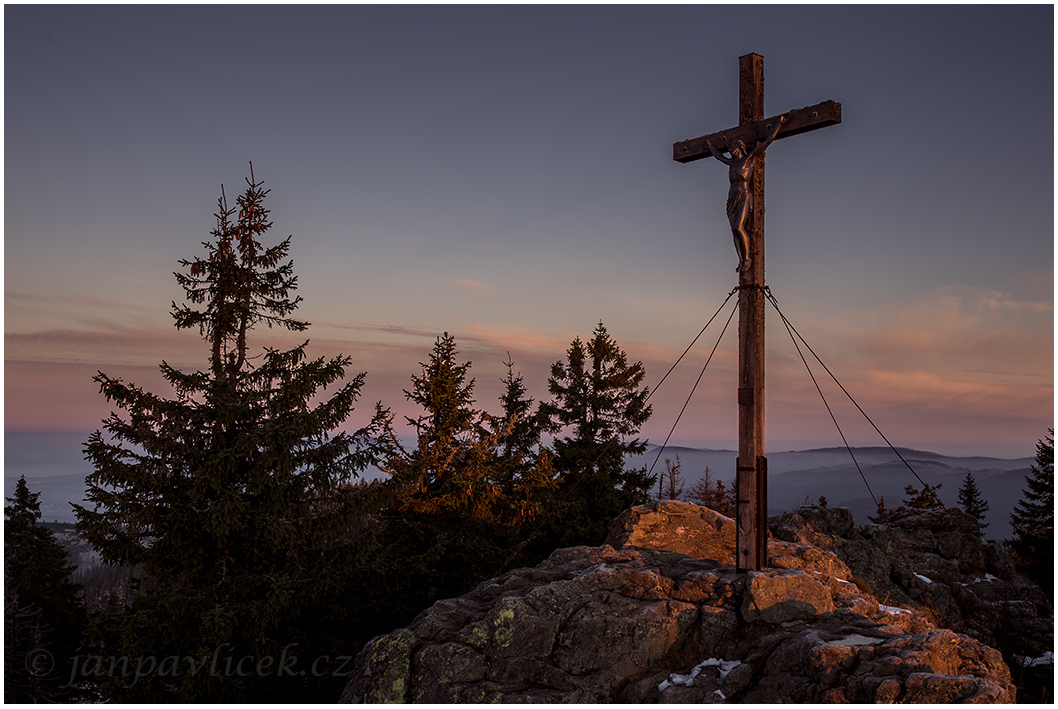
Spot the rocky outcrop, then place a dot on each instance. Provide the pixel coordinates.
(599, 624)
(671, 525)
(931, 560)
(936, 561)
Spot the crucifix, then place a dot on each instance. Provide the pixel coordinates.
(745, 208)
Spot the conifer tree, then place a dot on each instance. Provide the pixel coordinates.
(881, 514)
(702, 489)
(44, 617)
(713, 494)
(924, 499)
(670, 482)
(458, 504)
(519, 428)
(1033, 520)
(231, 495)
(453, 466)
(971, 501)
(598, 403)
(465, 461)
(727, 498)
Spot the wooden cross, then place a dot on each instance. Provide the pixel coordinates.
(753, 128)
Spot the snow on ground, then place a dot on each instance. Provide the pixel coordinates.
(1046, 658)
(688, 680)
(892, 609)
(855, 640)
(971, 582)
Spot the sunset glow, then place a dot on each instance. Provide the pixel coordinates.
(515, 193)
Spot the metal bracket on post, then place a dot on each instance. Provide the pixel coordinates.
(745, 518)
(762, 512)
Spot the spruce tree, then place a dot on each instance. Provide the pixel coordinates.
(924, 499)
(713, 494)
(670, 482)
(231, 495)
(465, 461)
(881, 514)
(459, 505)
(598, 404)
(523, 459)
(44, 617)
(1033, 520)
(971, 501)
(453, 466)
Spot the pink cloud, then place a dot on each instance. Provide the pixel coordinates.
(75, 299)
(108, 343)
(476, 286)
(517, 338)
(963, 364)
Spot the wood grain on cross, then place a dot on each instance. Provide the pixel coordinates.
(752, 474)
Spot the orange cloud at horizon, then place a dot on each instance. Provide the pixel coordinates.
(61, 397)
(958, 365)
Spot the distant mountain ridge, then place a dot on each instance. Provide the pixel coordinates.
(795, 475)
(792, 475)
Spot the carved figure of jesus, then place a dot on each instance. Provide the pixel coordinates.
(740, 197)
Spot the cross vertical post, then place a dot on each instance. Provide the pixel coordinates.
(753, 130)
(751, 339)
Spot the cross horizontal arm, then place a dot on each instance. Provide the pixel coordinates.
(799, 120)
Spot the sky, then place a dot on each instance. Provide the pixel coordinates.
(505, 174)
